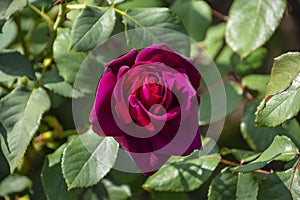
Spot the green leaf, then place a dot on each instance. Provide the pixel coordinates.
(55, 157)
(282, 148)
(213, 40)
(68, 61)
(252, 23)
(115, 192)
(54, 82)
(223, 186)
(252, 62)
(293, 128)
(213, 44)
(2, 22)
(91, 70)
(229, 185)
(140, 4)
(51, 76)
(64, 89)
(87, 159)
(12, 184)
(8, 7)
(240, 155)
(276, 109)
(258, 138)
(169, 196)
(43, 4)
(195, 16)
(39, 39)
(160, 17)
(256, 82)
(184, 174)
(114, 1)
(4, 170)
(20, 116)
(88, 2)
(124, 177)
(280, 185)
(154, 29)
(92, 27)
(54, 184)
(247, 187)
(13, 64)
(97, 192)
(9, 34)
(285, 69)
(233, 99)
(223, 61)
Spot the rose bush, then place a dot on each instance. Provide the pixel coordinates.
(148, 102)
(51, 58)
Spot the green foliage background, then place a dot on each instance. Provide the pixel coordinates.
(254, 45)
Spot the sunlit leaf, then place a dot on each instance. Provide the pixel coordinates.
(20, 116)
(87, 159)
(282, 148)
(15, 183)
(276, 109)
(185, 174)
(68, 61)
(252, 23)
(285, 69)
(195, 16)
(92, 27)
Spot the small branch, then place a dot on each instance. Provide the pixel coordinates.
(247, 94)
(58, 22)
(60, 16)
(219, 15)
(49, 21)
(294, 173)
(227, 162)
(120, 12)
(235, 77)
(262, 171)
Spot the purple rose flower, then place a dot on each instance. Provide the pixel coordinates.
(148, 102)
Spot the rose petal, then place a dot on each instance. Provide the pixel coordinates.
(122, 71)
(125, 60)
(196, 144)
(164, 54)
(138, 112)
(135, 145)
(148, 162)
(149, 96)
(101, 116)
(179, 137)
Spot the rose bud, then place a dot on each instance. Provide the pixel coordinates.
(148, 102)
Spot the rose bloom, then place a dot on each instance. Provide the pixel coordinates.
(148, 102)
